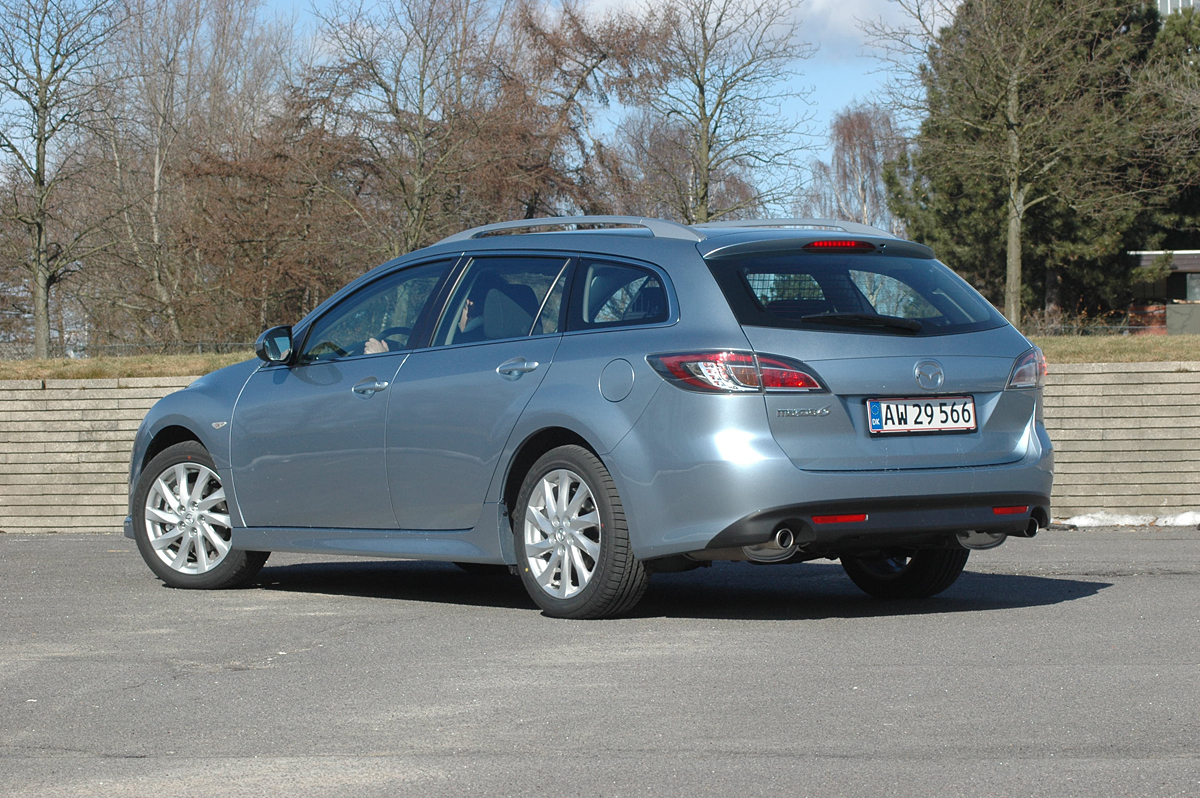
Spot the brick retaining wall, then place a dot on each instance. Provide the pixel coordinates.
(64, 450)
(1127, 437)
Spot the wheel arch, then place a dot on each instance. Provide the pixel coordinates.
(533, 447)
(166, 437)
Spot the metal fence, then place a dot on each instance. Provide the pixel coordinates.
(24, 351)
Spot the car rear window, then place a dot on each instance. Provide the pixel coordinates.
(862, 293)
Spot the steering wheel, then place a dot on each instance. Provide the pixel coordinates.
(390, 331)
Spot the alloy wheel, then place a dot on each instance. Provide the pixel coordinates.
(562, 533)
(187, 518)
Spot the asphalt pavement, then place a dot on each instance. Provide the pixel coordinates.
(1066, 665)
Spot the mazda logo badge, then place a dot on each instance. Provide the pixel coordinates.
(929, 375)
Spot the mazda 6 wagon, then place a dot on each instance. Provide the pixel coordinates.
(588, 400)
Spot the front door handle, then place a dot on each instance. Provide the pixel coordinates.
(368, 387)
(513, 369)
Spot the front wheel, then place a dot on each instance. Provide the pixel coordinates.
(182, 524)
(906, 574)
(572, 540)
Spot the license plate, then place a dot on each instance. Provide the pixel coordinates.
(940, 414)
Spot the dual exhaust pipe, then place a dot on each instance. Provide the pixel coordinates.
(783, 545)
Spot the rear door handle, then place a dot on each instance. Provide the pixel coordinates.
(513, 369)
(369, 386)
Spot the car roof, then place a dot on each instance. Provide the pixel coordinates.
(630, 235)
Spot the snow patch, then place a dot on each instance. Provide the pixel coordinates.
(1103, 518)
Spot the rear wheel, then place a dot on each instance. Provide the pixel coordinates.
(906, 574)
(572, 540)
(181, 522)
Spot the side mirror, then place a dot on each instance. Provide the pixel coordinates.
(274, 345)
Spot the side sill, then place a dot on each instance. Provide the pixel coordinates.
(447, 546)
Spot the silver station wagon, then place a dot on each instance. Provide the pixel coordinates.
(588, 400)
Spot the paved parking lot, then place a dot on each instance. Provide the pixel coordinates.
(1068, 665)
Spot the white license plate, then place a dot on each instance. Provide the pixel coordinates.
(940, 414)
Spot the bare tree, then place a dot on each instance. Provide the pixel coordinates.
(850, 186)
(712, 107)
(557, 66)
(195, 77)
(48, 91)
(412, 79)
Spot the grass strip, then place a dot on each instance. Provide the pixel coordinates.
(1058, 349)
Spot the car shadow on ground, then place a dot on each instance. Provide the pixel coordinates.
(727, 590)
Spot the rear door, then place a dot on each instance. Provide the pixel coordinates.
(893, 329)
(454, 404)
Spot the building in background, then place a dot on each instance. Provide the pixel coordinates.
(1167, 6)
(1170, 298)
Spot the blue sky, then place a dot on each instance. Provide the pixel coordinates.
(842, 70)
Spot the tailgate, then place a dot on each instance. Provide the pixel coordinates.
(830, 432)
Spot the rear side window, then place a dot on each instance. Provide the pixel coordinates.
(499, 298)
(866, 293)
(616, 295)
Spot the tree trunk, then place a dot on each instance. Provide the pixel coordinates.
(1012, 285)
(41, 303)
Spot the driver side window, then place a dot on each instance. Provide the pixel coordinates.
(378, 318)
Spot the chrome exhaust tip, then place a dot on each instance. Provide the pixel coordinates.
(781, 547)
(784, 538)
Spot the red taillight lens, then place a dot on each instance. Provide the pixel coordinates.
(1029, 371)
(835, 245)
(781, 375)
(1016, 510)
(849, 518)
(734, 372)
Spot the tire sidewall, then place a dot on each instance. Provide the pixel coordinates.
(185, 452)
(591, 470)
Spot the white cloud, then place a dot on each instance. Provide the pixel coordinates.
(835, 25)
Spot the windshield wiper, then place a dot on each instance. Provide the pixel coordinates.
(864, 320)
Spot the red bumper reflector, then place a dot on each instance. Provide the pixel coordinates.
(856, 518)
(1024, 508)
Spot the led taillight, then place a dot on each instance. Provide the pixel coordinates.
(846, 518)
(1029, 371)
(734, 372)
(839, 245)
(1020, 509)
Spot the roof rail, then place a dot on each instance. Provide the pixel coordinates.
(811, 224)
(660, 228)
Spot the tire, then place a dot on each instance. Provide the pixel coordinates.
(585, 529)
(907, 574)
(187, 545)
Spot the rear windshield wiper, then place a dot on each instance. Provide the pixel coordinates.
(864, 320)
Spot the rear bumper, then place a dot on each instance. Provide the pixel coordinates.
(700, 472)
(896, 521)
